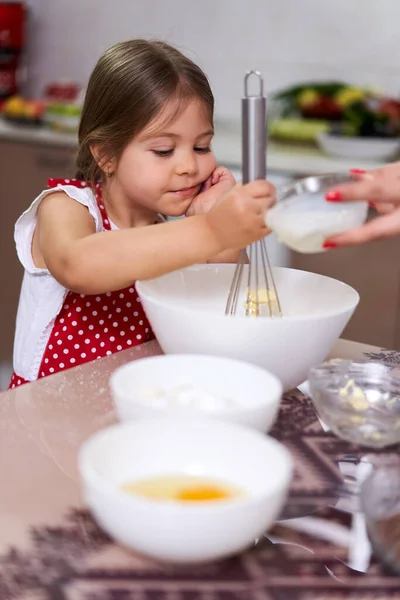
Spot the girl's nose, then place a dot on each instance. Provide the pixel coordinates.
(187, 165)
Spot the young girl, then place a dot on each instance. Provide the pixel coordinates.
(144, 151)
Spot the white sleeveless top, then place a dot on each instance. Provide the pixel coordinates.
(41, 296)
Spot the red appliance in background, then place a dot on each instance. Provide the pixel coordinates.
(13, 16)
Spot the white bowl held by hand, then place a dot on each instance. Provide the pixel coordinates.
(187, 312)
(302, 219)
(192, 385)
(171, 530)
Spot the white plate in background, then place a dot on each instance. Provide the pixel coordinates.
(358, 147)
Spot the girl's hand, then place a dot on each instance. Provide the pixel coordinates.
(381, 189)
(219, 183)
(238, 219)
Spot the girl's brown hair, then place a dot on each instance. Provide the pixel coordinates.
(128, 87)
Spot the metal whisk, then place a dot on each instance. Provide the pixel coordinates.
(261, 296)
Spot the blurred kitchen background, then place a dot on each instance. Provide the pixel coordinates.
(50, 47)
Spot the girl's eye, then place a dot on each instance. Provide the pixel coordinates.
(203, 150)
(163, 152)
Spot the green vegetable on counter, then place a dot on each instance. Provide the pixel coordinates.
(298, 129)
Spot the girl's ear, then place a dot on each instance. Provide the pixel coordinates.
(105, 164)
(95, 150)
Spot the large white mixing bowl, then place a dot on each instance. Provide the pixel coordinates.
(186, 310)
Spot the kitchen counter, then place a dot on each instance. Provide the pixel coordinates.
(36, 135)
(296, 160)
(50, 547)
(282, 158)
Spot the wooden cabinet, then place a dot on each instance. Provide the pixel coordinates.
(24, 169)
(374, 271)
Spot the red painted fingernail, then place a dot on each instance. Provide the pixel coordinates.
(329, 245)
(357, 171)
(333, 196)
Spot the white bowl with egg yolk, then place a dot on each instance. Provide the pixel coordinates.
(187, 312)
(172, 530)
(193, 385)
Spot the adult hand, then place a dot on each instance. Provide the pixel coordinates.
(381, 189)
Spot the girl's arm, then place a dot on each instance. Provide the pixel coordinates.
(92, 263)
(228, 256)
(65, 241)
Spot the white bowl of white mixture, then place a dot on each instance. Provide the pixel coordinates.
(184, 490)
(302, 219)
(192, 385)
(187, 313)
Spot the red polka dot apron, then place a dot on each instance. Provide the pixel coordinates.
(92, 326)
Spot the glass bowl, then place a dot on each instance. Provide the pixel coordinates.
(302, 218)
(359, 401)
(380, 503)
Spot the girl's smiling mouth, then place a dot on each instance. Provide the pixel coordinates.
(188, 191)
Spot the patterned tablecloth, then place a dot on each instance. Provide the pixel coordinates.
(51, 549)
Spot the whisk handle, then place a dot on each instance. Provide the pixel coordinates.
(254, 132)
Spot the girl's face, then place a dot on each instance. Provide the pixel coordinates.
(163, 168)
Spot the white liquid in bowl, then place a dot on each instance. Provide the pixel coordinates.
(303, 222)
